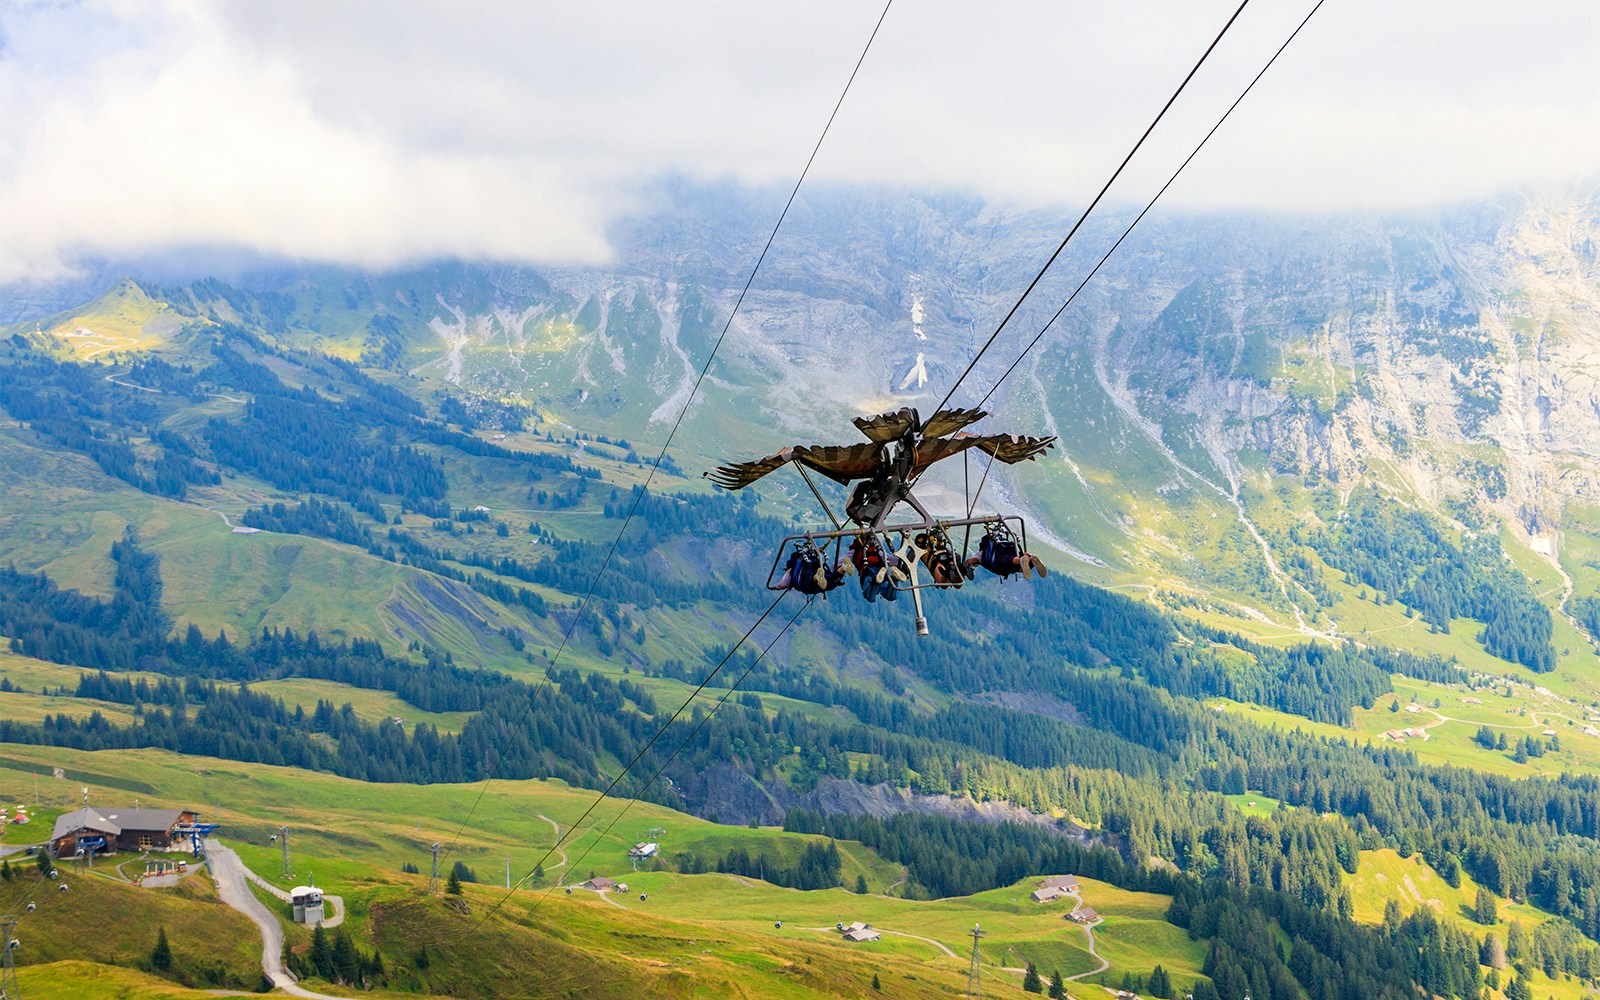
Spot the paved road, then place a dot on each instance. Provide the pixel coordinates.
(233, 887)
(335, 902)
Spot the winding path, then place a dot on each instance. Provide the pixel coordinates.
(557, 848)
(1088, 932)
(337, 902)
(233, 888)
(880, 930)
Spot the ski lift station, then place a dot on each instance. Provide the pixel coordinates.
(307, 903)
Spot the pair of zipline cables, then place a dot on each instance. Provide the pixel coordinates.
(639, 493)
(948, 395)
(973, 498)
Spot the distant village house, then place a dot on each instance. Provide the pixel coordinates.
(1054, 888)
(858, 931)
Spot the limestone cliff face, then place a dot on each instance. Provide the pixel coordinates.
(1458, 353)
(1452, 353)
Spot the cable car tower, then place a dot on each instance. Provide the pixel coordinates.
(975, 970)
(9, 990)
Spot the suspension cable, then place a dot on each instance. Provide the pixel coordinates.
(576, 865)
(1107, 255)
(1075, 226)
(694, 389)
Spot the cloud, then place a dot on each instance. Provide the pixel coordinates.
(379, 133)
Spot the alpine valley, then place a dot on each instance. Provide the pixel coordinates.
(362, 567)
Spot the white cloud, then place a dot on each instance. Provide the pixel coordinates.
(376, 133)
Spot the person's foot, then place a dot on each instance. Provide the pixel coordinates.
(1027, 567)
(967, 570)
(882, 574)
(1038, 565)
(822, 578)
(847, 569)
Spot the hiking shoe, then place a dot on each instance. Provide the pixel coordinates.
(1038, 564)
(1027, 567)
(821, 576)
(881, 575)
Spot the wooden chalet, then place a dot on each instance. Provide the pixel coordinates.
(107, 831)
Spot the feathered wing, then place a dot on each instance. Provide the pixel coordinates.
(841, 463)
(1013, 448)
(949, 421)
(1007, 448)
(886, 427)
(738, 475)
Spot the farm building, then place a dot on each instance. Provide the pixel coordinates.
(858, 931)
(105, 831)
(1045, 894)
(600, 884)
(1084, 915)
(644, 850)
(1066, 883)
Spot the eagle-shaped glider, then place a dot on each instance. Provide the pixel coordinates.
(899, 448)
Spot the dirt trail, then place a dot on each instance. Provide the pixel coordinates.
(557, 828)
(1088, 932)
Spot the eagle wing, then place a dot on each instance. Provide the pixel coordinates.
(1012, 448)
(738, 475)
(1007, 448)
(949, 421)
(841, 463)
(887, 427)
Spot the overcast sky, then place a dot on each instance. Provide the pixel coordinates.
(382, 132)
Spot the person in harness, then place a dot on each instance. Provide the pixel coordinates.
(808, 571)
(943, 566)
(878, 569)
(999, 553)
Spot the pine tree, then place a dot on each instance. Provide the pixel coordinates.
(161, 954)
(876, 986)
(346, 963)
(1031, 982)
(1484, 911)
(1058, 986)
(1160, 983)
(452, 885)
(861, 885)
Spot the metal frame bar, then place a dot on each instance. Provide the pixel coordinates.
(822, 538)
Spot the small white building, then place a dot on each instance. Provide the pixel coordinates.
(307, 903)
(1548, 732)
(644, 850)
